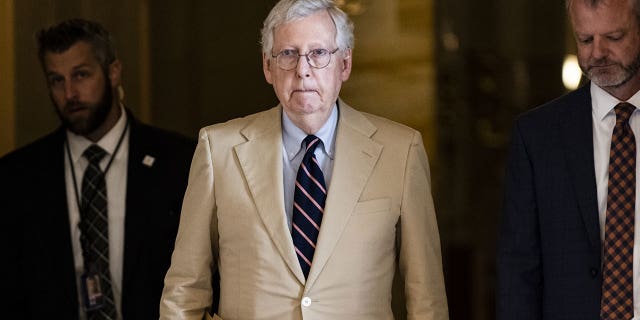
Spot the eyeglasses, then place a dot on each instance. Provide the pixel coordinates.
(317, 58)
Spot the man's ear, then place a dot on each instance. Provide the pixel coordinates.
(266, 68)
(115, 70)
(346, 64)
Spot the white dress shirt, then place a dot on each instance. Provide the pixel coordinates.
(604, 119)
(292, 154)
(116, 183)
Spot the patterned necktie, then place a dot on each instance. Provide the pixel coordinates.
(617, 274)
(308, 205)
(95, 229)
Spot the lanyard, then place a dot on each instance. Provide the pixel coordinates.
(81, 208)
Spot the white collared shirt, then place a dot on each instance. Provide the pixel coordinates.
(292, 154)
(116, 183)
(604, 119)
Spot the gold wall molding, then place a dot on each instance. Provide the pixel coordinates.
(7, 77)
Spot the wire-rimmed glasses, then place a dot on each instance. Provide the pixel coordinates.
(288, 59)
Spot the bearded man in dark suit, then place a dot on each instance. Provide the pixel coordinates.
(567, 248)
(74, 231)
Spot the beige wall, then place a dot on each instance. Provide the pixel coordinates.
(394, 66)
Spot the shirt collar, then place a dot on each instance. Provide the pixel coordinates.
(603, 103)
(78, 143)
(292, 136)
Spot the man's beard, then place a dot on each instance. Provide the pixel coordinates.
(97, 113)
(616, 78)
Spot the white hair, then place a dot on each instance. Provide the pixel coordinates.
(289, 10)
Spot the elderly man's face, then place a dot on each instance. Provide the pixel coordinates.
(305, 90)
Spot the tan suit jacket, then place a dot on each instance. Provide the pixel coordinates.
(379, 216)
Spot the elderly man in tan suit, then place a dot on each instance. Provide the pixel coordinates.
(322, 242)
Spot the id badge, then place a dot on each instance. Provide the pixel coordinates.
(92, 292)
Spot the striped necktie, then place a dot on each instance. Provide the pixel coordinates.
(308, 205)
(617, 273)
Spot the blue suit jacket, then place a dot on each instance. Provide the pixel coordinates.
(33, 202)
(549, 264)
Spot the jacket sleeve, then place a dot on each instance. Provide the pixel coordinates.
(187, 291)
(420, 258)
(519, 287)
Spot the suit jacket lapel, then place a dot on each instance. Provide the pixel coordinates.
(261, 160)
(356, 155)
(52, 174)
(51, 228)
(135, 197)
(577, 133)
(140, 180)
(57, 228)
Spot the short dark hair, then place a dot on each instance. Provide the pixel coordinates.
(60, 37)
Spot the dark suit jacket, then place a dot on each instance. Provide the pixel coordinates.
(41, 277)
(549, 252)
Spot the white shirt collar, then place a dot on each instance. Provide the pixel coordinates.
(292, 136)
(603, 103)
(109, 142)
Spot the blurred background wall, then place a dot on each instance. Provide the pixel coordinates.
(459, 71)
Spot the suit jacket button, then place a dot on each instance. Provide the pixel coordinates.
(594, 272)
(306, 301)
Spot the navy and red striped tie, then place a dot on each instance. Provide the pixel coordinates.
(308, 205)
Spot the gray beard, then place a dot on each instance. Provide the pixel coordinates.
(620, 77)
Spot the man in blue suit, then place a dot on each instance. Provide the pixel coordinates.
(52, 264)
(567, 240)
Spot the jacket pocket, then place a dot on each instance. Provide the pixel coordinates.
(373, 206)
